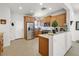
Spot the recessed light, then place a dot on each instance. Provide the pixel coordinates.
(20, 8)
(50, 8)
(41, 3)
(31, 10)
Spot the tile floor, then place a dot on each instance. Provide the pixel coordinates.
(22, 47)
(74, 51)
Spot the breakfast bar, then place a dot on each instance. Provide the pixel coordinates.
(54, 44)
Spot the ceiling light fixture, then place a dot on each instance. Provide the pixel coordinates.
(41, 3)
(20, 8)
(31, 10)
(50, 8)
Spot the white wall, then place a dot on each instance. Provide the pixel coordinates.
(70, 17)
(75, 33)
(18, 28)
(11, 32)
(5, 28)
(73, 17)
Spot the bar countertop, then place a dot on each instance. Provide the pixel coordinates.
(50, 34)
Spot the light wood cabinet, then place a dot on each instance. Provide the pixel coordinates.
(29, 19)
(43, 46)
(1, 43)
(61, 19)
(53, 18)
(37, 32)
(46, 20)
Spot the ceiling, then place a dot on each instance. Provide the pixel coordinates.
(36, 9)
(75, 7)
(33, 8)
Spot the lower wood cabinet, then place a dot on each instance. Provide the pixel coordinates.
(43, 46)
(37, 32)
(1, 44)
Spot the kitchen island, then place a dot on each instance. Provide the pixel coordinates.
(54, 45)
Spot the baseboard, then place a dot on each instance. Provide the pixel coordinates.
(19, 38)
(68, 50)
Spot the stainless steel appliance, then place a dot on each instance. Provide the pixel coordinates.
(30, 31)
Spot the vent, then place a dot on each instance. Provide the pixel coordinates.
(43, 8)
(29, 14)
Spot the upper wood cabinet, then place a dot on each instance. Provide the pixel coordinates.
(29, 19)
(53, 18)
(61, 19)
(46, 19)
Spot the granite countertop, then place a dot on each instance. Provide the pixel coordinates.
(50, 35)
(45, 35)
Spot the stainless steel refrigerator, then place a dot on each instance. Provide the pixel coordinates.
(30, 31)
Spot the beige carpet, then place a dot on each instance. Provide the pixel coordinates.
(22, 47)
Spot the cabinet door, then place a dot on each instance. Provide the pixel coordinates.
(59, 45)
(53, 18)
(61, 20)
(43, 46)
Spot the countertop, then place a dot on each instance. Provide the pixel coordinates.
(45, 35)
(50, 35)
